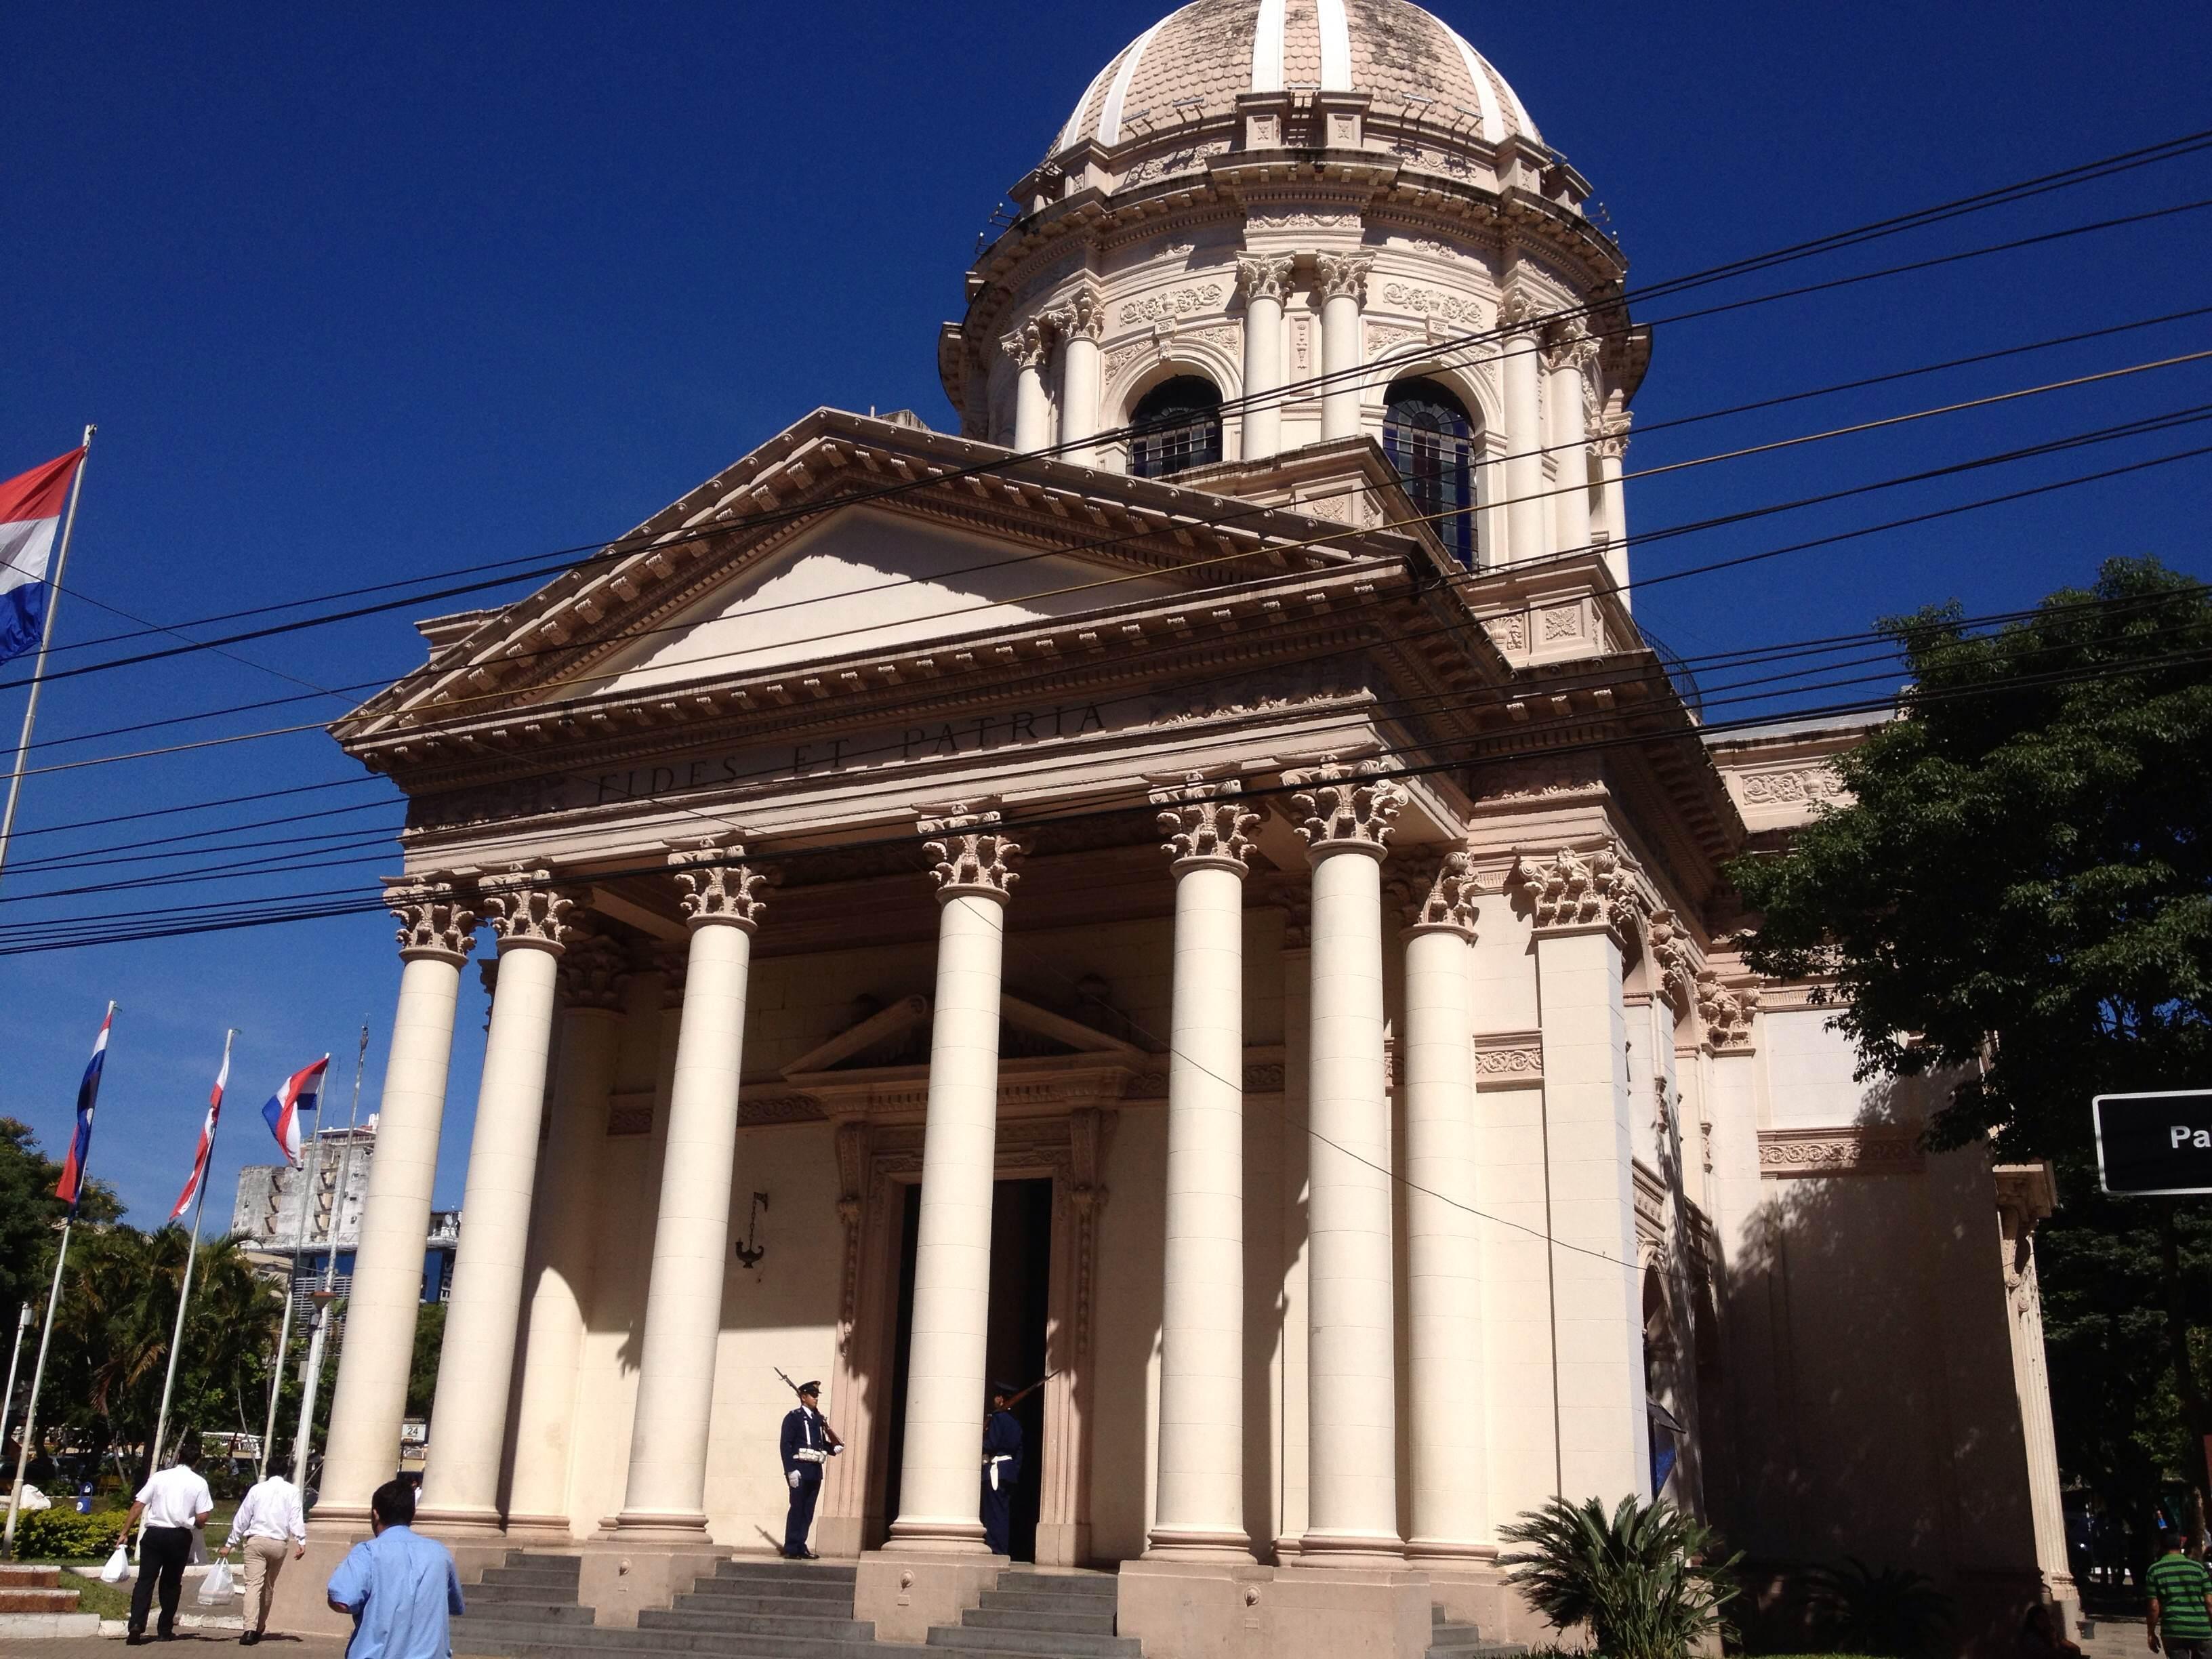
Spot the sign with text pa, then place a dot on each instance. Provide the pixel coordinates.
(2154, 1143)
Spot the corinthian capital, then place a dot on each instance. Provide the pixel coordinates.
(973, 856)
(1726, 1015)
(525, 909)
(1436, 894)
(1567, 891)
(1027, 345)
(1518, 307)
(1571, 346)
(1265, 276)
(434, 923)
(1084, 316)
(717, 890)
(1205, 823)
(1337, 274)
(1610, 439)
(1345, 808)
(595, 972)
(1673, 965)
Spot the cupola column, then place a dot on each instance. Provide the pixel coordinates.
(1200, 1509)
(1028, 346)
(437, 930)
(1341, 281)
(665, 1493)
(1351, 1441)
(940, 1488)
(1080, 322)
(1443, 1269)
(1265, 282)
(1572, 357)
(1611, 447)
(476, 1365)
(1527, 514)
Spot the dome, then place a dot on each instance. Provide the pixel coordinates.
(1197, 61)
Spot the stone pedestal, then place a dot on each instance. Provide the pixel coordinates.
(905, 1593)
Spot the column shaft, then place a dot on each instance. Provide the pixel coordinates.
(1611, 446)
(1443, 1279)
(1570, 442)
(371, 1394)
(939, 1487)
(1264, 281)
(1340, 354)
(1199, 1509)
(666, 1491)
(1078, 394)
(1527, 515)
(1032, 412)
(583, 1078)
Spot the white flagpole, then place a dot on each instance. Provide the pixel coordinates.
(45, 1342)
(325, 1302)
(291, 1277)
(14, 1355)
(38, 675)
(184, 1292)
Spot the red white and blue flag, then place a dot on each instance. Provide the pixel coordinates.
(30, 516)
(207, 1140)
(70, 1187)
(295, 1095)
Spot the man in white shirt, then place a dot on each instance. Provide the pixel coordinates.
(267, 1519)
(176, 1504)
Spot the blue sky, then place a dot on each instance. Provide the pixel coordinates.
(357, 294)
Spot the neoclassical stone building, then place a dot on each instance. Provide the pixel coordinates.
(1195, 886)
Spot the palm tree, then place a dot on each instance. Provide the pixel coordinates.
(1639, 1578)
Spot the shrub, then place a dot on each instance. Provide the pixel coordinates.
(1890, 1611)
(60, 1533)
(1638, 1577)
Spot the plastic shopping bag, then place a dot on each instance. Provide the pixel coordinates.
(216, 1588)
(118, 1568)
(199, 1555)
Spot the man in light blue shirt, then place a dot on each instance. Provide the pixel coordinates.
(400, 1588)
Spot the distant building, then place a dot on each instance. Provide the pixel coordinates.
(331, 1189)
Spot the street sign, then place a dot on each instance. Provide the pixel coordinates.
(2154, 1143)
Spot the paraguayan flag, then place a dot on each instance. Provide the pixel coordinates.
(30, 514)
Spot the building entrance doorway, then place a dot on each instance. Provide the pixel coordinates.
(1021, 1284)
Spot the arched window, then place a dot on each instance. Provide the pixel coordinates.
(1431, 441)
(1178, 426)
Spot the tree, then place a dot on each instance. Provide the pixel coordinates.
(2018, 902)
(29, 1213)
(1640, 1577)
(422, 1374)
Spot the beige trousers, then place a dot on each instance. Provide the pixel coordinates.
(264, 1559)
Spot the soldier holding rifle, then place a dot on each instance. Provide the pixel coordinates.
(809, 1443)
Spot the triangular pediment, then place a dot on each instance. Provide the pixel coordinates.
(865, 579)
(899, 1037)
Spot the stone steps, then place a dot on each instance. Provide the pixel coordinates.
(33, 1589)
(1040, 1615)
(1448, 1640)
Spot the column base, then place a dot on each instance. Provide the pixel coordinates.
(905, 1592)
(659, 1527)
(938, 1538)
(462, 1523)
(538, 1531)
(1194, 1544)
(1352, 1549)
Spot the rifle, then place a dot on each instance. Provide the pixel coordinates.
(835, 1443)
(1017, 1400)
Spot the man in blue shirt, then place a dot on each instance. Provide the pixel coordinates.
(400, 1588)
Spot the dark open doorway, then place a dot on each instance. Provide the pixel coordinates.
(1021, 1284)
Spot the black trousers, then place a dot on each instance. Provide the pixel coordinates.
(162, 1552)
(801, 1520)
(998, 1514)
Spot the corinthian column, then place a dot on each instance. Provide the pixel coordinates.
(436, 933)
(1584, 906)
(940, 1490)
(1265, 282)
(1080, 322)
(1027, 345)
(1572, 357)
(1527, 515)
(592, 978)
(1342, 281)
(476, 1363)
(1351, 1513)
(666, 1493)
(1444, 1277)
(1611, 447)
(1200, 1508)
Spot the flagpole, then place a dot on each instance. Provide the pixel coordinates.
(324, 1303)
(15, 1356)
(291, 1277)
(45, 1342)
(184, 1292)
(38, 678)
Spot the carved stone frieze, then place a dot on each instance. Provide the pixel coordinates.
(717, 890)
(1205, 823)
(1508, 1060)
(1433, 302)
(1795, 787)
(524, 908)
(1177, 302)
(1855, 1149)
(1345, 806)
(434, 921)
(1540, 778)
(972, 855)
(1568, 891)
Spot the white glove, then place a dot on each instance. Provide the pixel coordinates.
(794, 1479)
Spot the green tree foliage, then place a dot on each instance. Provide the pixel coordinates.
(2018, 902)
(1640, 1577)
(29, 1213)
(422, 1374)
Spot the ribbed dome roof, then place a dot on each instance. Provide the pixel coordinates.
(1199, 60)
